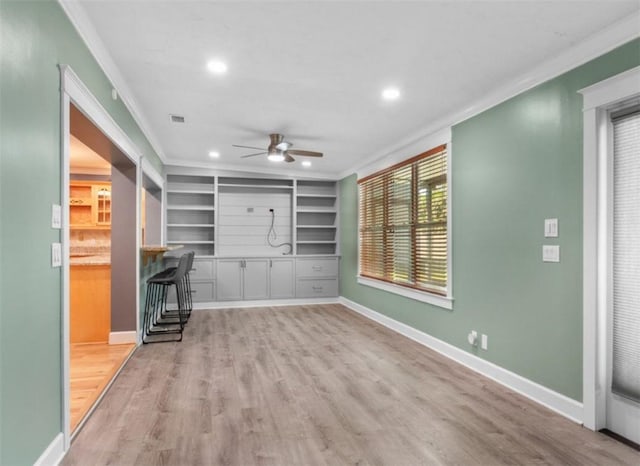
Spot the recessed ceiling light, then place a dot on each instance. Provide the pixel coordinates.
(306, 163)
(391, 93)
(214, 154)
(217, 67)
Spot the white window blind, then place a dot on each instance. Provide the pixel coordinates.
(403, 223)
(626, 256)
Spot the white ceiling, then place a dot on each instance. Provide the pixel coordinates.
(84, 160)
(314, 71)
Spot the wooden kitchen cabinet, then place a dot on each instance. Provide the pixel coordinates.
(90, 299)
(90, 204)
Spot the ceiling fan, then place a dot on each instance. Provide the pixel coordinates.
(279, 150)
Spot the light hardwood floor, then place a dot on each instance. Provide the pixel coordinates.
(92, 366)
(319, 385)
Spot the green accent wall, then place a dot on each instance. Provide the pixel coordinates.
(35, 37)
(512, 166)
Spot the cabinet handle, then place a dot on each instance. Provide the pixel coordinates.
(317, 288)
(270, 264)
(317, 268)
(193, 270)
(194, 291)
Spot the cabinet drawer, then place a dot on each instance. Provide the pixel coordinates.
(317, 267)
(201, 292)
(202, 269)
(317, 288)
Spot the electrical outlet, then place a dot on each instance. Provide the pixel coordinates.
(472, 338)
(551, 227)
(484, 343)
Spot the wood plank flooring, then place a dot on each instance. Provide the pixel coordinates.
(92, 366)
(319, 385)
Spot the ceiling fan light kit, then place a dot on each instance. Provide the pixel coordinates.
(279, 150)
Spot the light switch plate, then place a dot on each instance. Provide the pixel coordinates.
(56, 255)
(551, 227)
(56, 216)
(550, 253)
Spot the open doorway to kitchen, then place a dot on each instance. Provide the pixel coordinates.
(102, 263)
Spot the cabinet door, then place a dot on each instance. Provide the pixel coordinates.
(229, 273)
(282, 283)
(256, 279)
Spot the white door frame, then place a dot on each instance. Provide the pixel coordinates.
(599, 100)
(73, 90)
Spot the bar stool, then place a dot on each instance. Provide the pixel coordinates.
(156, 302)
(188, 302)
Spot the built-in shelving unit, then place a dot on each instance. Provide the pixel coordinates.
(316, 217)
(191, 212)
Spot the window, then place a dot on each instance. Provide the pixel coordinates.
(403, 223)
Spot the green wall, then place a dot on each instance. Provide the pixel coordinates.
(512, 166)
(35, 37)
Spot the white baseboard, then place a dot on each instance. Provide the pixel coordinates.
(120, 338)
(53, 453)
(265, 303)
(555, 401)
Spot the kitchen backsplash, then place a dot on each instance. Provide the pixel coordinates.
(82, 241)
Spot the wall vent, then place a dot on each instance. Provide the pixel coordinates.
(176, 118)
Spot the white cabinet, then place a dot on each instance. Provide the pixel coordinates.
(240, 279)
(317, 277)
(230, 277)
(255, 278)
(281, 278)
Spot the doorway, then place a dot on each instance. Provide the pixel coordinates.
(101, 252)
(611, 264)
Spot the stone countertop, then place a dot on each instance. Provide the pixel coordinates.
(97, 259)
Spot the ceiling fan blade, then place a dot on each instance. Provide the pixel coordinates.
(248, 147)
(252, 155)
(288, 158)
(305, 153)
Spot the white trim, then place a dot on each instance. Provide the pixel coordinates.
(599, 98)
(555, 401)
(53, 454)
(598, 44)
(423, 296)
(82, 97)
(81, 22)
(416, 147)
(73, 90)
(150, 171)
(623, 86)
(120, 338)
(264, 303)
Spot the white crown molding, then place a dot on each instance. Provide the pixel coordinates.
(53, 454)
(217, 167)
(623, 86)
(82, 97)
(607, 39)
(78, 17)
(555, 401)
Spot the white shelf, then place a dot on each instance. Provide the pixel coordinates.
(189, 191)
(316, 226)
(316, 210)
(260, 186)
(316, 242)
(333, 196)
(190, 225)
(190, 242)
(190, 207)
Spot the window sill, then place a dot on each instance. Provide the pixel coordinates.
(423, 296)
